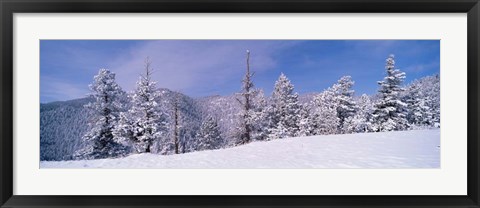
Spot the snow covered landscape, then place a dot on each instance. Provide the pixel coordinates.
(402, 149)
(273, 126)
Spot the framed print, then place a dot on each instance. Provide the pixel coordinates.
(267, 103)
(197, 113)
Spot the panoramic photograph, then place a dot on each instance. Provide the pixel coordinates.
(240, 104)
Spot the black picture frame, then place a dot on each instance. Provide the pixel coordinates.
(9, 7)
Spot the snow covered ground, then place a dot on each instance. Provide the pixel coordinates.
(406, 149)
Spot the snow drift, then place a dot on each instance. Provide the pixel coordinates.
(401, 149)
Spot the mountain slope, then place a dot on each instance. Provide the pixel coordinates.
(62, 125)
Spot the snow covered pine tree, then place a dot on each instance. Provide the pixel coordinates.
(346, 106)
(209, 135)
(305, 125)
(424, 95)
(389, 113)
(419, 114)
(324, 117)
(106, 107)
(334, 108)
(361, 121)
(145, 122)
(284, 112)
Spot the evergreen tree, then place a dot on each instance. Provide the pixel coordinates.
(337, 100)
(305, 125)
(209, 135)
(324, 118)
(124, 131)
(279, 131)
(285, 110)
(346, 106)
(424, 94)
(389, 113)
(145, 122)
(361, 121)
(419, 113)
(432, 91)
(258, 116)
(106, 108)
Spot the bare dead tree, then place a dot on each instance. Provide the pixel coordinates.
(176, 122)
(246, 94)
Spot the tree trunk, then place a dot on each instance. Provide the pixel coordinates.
(175, 130)
(148, 148)
(247, 99)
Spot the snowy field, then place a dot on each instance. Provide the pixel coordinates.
(406, 149)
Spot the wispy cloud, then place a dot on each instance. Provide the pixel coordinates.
(208, 67)
(376, 47)
(196, 67)
(59, 90)
(420, 68)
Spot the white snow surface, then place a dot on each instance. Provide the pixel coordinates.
(402, 149)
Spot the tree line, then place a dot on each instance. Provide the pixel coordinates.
(126, 123)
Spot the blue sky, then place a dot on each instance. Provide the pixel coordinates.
(215, 67)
